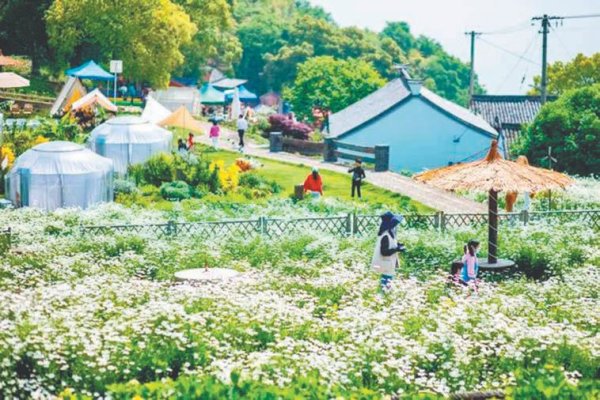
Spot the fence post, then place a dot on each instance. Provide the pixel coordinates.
(355, 228)
(442, 221)
(349, 225)
(275, 142)
(382, 157)
(524, 217)
(329, 151)
(171, 228)
(262, 226)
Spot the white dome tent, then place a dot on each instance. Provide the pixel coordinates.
(129, 140)
(60, 174)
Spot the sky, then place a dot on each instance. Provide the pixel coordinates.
(509, 55)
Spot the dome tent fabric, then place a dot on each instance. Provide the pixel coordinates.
(129, 140)
(60, 174)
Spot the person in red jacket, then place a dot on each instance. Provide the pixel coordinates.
(314, 184)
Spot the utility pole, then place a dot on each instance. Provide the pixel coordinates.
(473, 35)
(545, 30)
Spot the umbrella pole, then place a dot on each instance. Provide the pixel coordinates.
(492, 226)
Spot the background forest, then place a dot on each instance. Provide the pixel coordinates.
(264, 41)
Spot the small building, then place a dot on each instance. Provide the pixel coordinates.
(508, 114)
(129, 140)
(60, 174)
(423, 130)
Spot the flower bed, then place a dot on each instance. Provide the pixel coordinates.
(100, 315)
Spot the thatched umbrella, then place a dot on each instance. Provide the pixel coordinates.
(494, 174)
(6, 61)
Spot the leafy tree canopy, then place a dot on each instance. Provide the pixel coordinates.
(571, 125)
(579, 72)
(146, 34)
(215, 42)
(332, 83)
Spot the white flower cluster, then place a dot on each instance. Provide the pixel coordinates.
(76, 312)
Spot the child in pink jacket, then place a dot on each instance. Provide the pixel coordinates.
(470, 263)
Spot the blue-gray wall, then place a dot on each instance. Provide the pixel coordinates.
(420, 136)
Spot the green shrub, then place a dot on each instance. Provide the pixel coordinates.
(158, 169)
(177, 190)
(123, 186)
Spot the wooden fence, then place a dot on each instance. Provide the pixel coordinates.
(378, 155)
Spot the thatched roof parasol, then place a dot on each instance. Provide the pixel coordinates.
(6, 61)
(494, 174)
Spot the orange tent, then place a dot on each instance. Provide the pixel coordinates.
(181, 118)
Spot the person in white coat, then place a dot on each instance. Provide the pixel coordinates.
(385, 256)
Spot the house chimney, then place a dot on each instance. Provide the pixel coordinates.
(414, 85)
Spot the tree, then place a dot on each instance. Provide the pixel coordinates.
(282, 67)
(579, 72)
(332, 83)
(146, 34)
(259, 36)
(215, 42)
(23, 31)
(571, 125)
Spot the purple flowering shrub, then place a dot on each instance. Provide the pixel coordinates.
(287, 127)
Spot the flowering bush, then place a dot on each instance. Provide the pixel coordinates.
(99, 315)
(288, 127)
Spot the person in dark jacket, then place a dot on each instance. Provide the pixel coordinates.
(385, 256)
(358, 174)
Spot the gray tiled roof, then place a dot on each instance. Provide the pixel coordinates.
(367, 108)
(509, 109)
(390, 95)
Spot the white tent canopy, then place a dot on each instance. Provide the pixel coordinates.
(154, 111)
(60, 174)
(175, 97)
(129, 140)
(94, 97)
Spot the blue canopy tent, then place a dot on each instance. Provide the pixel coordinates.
(90, 70)
(246, 96)
(211, 96)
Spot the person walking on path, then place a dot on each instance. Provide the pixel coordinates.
(385, 255)
(215, 132)
(242, 127)
(314, 184)
(358, 174)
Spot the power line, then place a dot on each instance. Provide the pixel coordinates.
(509, 30)
(521, 58)
(579, 16)
(509, 52)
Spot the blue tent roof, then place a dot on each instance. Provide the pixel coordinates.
(90, 70)
(246, 96)
(210, 95)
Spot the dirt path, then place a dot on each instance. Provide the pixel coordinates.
(435, 198)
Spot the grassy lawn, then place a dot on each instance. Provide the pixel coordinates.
(334, 184)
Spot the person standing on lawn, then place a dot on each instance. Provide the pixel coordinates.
(358, 174)
(470, 264)
(190, 141)
(242, 127)
(214, 134)
(314, 184)
(385, 256)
